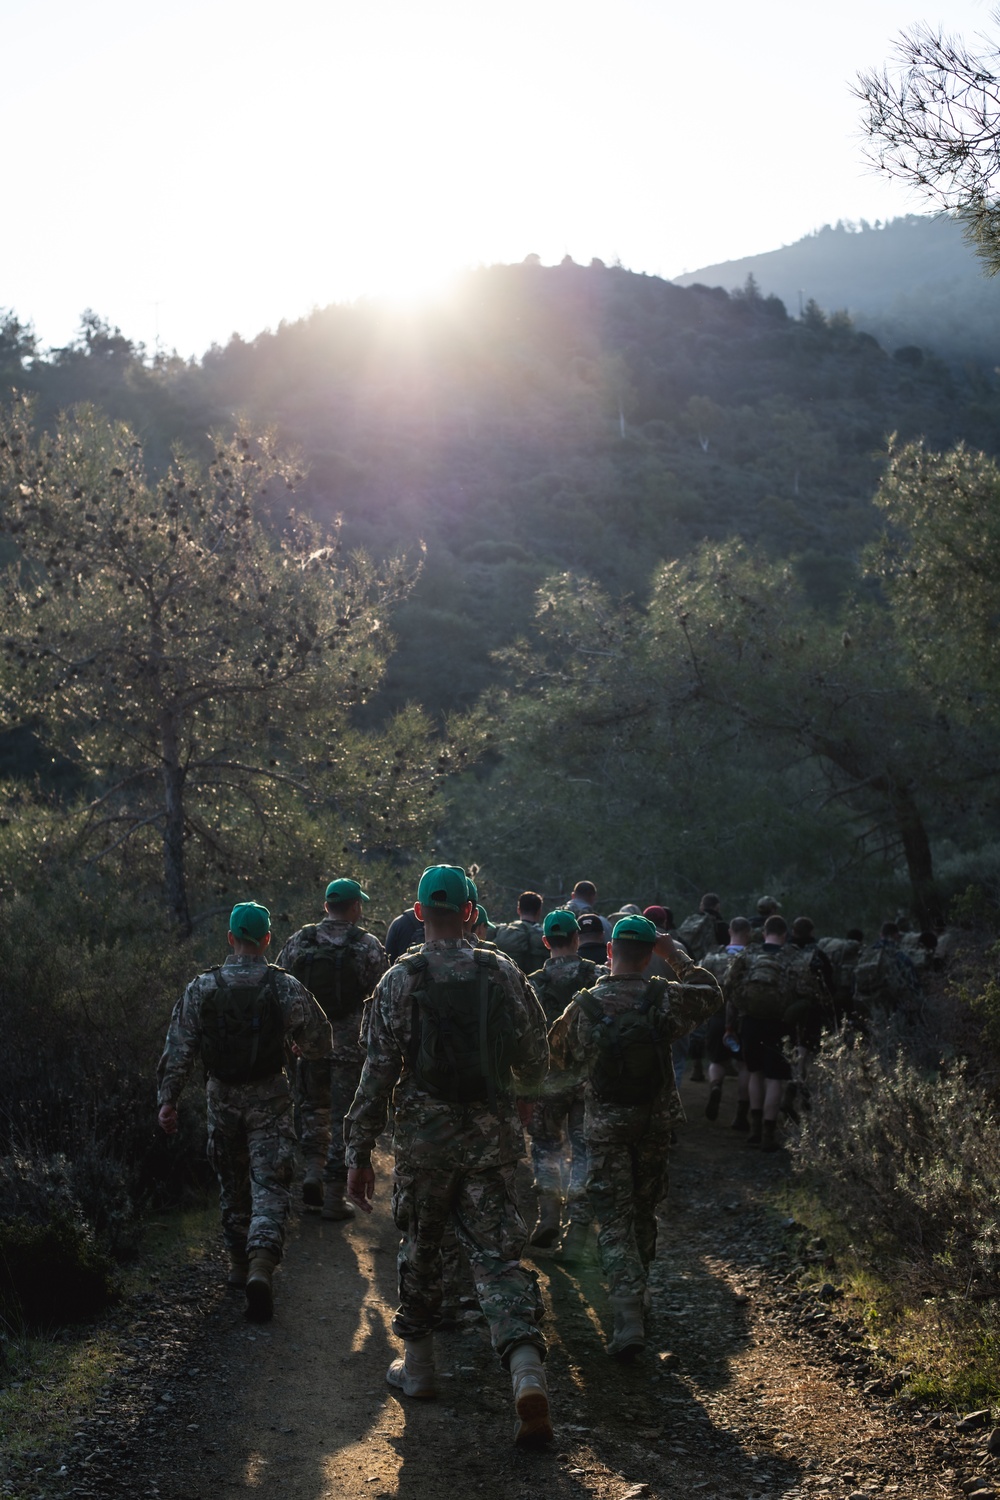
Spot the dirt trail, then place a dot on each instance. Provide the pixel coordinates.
(746, 1389)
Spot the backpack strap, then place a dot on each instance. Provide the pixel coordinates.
(414, 964)
(590, 1005)
(485, 962)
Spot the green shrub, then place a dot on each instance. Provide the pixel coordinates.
(908, 1157)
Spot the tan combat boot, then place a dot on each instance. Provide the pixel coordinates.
(629, 1337)
(312, 1184)
(531, 1397)
(335, 1204)
(414, 1373)
(239, 1268)
(260, 1293)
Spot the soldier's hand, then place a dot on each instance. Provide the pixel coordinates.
(167, 1119)
(361, 1187)
(671, 951)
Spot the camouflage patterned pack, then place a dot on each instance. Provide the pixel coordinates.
(332, 972)
(697, 934)
(462, 1043)
(843, 955)
(523, 942)
(242, 1030)
(555, 991)
(770, 984)
(631, 1062)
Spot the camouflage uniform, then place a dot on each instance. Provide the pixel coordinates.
(251, 1140)
(522, 942)
(454, 1162)
(324, 1090)
(628, 1144)
(558, 1111)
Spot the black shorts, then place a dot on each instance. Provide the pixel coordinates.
(761, 1044)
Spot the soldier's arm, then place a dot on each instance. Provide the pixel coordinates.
(306, 1026)
(567, 1043)
(180, 1049)
(532, 1062)
(694, 997)
(366, 1118)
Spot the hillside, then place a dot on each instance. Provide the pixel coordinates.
(913, 280)
(567, 417)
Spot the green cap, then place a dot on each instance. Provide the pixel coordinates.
(444, 887)
(250, 921)
(473, 893)
(345, 890)
(560, 924)
(634, 930)
(482, 916)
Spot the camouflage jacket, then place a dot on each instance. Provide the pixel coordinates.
(305, 1025)
(569, 969)
(428, 1131)
(693, 997)
(372, 962)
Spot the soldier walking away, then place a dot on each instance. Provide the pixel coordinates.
(770, 995)
(403, 932)
(697, 932)
(617, 1036)
(593, 942)
(238, 1019)
(718, 1050)
(340, 964)
(453, 1034)
(558, 1110)
(885, 978)
(583, 899)
(521, 940)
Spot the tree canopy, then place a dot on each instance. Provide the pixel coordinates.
(198, 666)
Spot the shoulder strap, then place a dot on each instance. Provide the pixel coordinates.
(486, 958)
(483, 998)
(589, 1004)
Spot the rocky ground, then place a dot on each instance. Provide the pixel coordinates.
(752, 1386)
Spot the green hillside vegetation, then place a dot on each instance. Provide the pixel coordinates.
(912, 281)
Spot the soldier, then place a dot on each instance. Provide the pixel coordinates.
(697, 932)
(559, 1110)
(522, 940)
(593, 943)
(618, 1036)
(770, 993)
(716, 1046)
(238, 1019)
(340, 964)
(453, 1030)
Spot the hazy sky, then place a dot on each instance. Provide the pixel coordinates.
(199, 168)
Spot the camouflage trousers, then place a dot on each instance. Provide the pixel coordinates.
(552, 1121)
(481, 1209)
(325, 1092)
(625, 1183)
(251, 1145)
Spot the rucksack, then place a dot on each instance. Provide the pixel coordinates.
(843, 956)
(332, 972)
(242, 1030)
(697, 933)
(717, 961)
(555, 991)
(770, 984)
(462, 1042)
(880, 977)
(523, 942)
(631, 1061)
